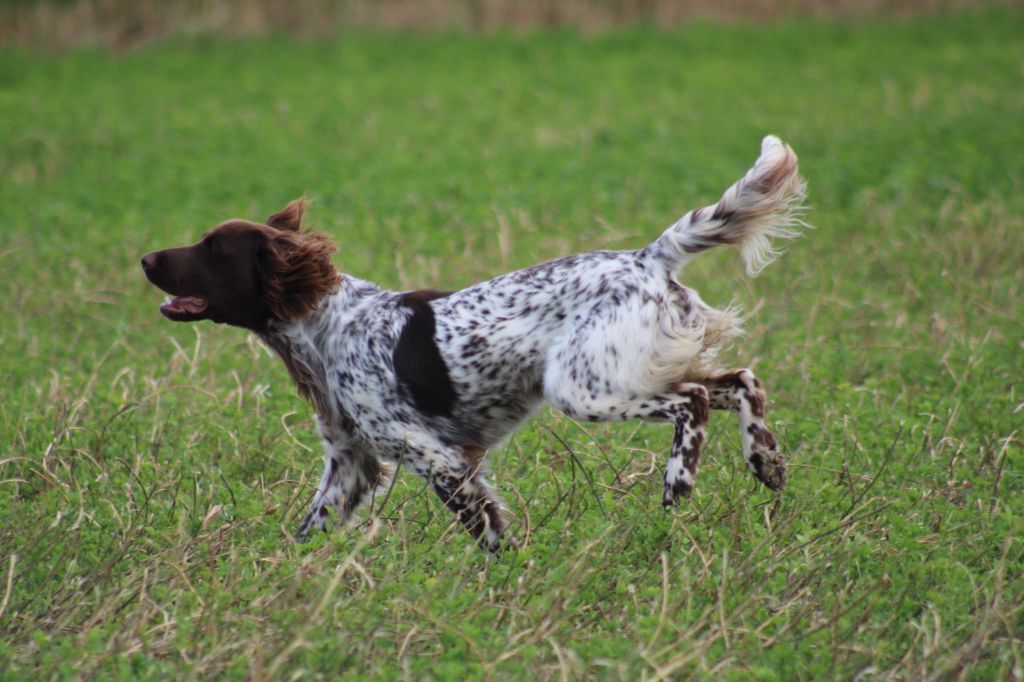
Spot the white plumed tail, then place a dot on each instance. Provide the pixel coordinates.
(764, 205)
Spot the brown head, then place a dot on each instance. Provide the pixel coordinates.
(246, 274)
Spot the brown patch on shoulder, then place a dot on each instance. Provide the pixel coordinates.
(417, 359)
(424, 295)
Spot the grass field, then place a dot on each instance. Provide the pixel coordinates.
(151, 473)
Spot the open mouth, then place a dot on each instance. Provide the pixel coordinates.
(183, 308)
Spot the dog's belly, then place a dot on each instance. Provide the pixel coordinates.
(489, 416)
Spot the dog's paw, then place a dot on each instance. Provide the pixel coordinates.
(679, 481)
(501, 545)
(769, 467)
(316, 520)
(766, 462)
(674, 490)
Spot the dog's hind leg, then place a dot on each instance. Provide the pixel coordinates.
(739, 391)
(686, 406)
(691, 426)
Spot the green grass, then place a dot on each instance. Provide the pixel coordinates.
(150, 473)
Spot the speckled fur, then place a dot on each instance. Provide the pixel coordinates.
(601, 336)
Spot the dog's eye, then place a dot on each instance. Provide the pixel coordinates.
(212, 246)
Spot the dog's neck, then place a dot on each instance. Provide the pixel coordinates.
(300, 343)
(302, 358)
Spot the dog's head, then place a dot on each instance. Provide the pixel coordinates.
(247, 274)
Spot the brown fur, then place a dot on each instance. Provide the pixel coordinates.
(248, 273)
(305, 377)
(289, 218)
(299, 273)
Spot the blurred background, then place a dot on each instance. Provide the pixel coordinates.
(120, 24)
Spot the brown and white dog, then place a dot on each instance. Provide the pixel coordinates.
(434, 379)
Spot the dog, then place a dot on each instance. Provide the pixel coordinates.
(433, 379)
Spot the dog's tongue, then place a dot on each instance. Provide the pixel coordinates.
(184, 304)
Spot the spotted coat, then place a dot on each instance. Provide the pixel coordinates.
(434, 379)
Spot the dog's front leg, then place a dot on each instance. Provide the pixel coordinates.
(349, 473)
(456, 476)
(475, 504)
(328, 493)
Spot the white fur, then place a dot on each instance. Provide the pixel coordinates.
(602, 336)
(763, 205)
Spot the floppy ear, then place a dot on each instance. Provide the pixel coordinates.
(297, 272)
(289, 218)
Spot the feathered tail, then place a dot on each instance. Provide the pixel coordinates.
(764, 205)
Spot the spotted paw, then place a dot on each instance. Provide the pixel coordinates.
(500, 545)
(675, 490)
(316, 519)
(769, 467)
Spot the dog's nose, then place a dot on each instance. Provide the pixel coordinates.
(149, 261)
